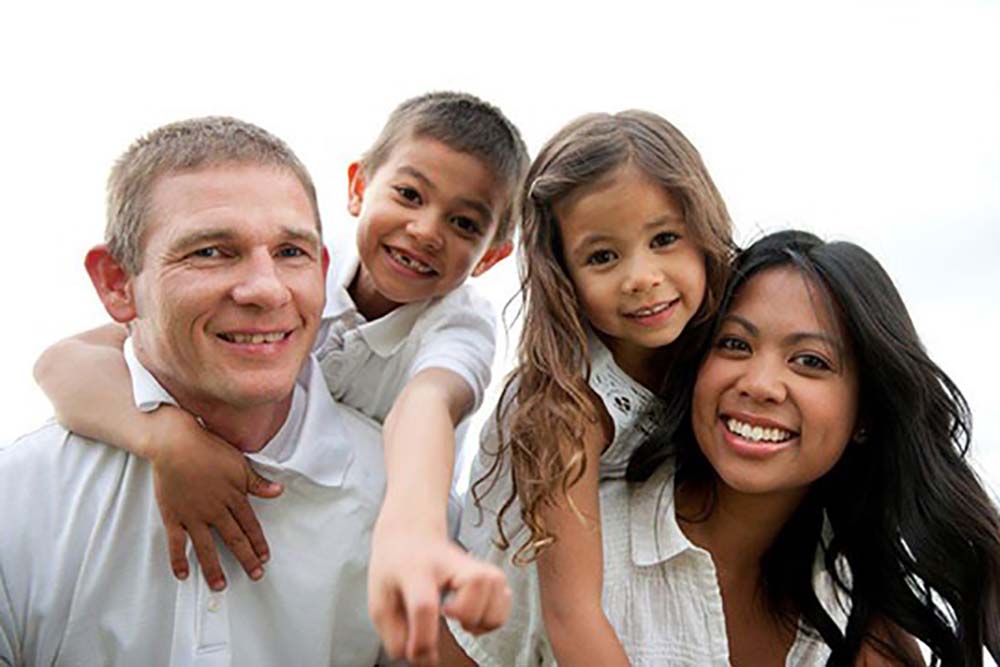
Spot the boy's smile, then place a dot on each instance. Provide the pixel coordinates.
(426, 223)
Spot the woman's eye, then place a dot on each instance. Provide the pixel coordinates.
(732, 344)
(812, 362)
(408, 193)
(467, 225)
(664, 239)
(600, 257)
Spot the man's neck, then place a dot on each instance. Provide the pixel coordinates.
(247, 429)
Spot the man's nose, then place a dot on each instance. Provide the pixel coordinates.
(425, 228)
(261, 283)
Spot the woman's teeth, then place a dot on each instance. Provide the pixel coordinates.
(409, 262)
(757, 433)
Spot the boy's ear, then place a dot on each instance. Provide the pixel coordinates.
(492, 256)
(112, 282)
(355, 188)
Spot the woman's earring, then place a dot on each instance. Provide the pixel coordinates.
(860, 435)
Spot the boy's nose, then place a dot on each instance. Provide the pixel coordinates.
(425, 229)
(261, 284)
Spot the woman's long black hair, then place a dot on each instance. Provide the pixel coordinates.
(918, 531)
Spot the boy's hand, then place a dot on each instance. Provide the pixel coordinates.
(409, 570)
(202, 482)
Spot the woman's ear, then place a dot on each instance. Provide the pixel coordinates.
(112, 282)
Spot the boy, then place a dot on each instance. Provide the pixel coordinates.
(403, 340)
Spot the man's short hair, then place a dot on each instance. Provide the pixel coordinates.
(466, 124)
(185, 145)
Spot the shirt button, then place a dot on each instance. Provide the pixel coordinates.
(214, 602)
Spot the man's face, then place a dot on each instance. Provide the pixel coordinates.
(232, 286)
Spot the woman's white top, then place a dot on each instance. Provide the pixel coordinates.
(660, 593)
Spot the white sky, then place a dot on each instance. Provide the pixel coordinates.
(874, 122)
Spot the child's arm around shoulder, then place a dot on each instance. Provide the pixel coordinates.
(413, 560)
(201, 481)
(571, 571)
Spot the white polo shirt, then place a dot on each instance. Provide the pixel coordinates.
(84, 573)
(367, 363)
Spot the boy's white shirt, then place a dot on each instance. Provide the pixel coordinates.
(367, 364)
(87, 578)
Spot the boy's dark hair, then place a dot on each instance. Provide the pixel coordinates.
(465, 124)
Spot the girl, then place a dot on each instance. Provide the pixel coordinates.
(626, 245)
(823, 472)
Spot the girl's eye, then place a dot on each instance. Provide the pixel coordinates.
(664, 239)
(732, 344)
(467, 225)
(600, 257)
(812, 362)
(408, 193)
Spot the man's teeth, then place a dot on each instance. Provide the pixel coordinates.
(409, 262)
(254, 339)
(757, 433)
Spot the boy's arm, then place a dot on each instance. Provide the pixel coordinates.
(571, 571)
(201, 481)
(413, 561)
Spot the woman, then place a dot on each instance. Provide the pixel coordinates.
(817, 508)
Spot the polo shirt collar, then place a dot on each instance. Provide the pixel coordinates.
(384, 335)
(314, 441)
(656, 536)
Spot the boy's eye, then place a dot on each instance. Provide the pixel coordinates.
(664, 239)
(467, 225)
(409, 194)
(600, 257)
(812, 362)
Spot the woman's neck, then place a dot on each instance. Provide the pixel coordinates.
(739, 527)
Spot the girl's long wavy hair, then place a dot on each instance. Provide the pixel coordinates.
(546, 404)
(918, 531)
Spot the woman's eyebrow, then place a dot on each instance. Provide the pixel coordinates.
(750, 327)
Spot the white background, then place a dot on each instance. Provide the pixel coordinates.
(874, 122)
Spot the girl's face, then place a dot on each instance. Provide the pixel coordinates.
(639, 276)
(776, 399)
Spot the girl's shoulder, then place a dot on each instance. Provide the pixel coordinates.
(635, 411)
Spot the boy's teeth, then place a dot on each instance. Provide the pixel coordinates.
(408, 261)
(757, 433)
(254, 339)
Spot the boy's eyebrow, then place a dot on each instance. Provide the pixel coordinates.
(480, 207)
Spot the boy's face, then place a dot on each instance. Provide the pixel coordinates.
(426, 220)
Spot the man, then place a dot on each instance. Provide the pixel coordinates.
(215, 262)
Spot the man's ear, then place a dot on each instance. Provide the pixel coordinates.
(355, 188)
(112, 282)
(326, 261)
(492, 256)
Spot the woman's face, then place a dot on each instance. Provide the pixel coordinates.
(776, 399)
